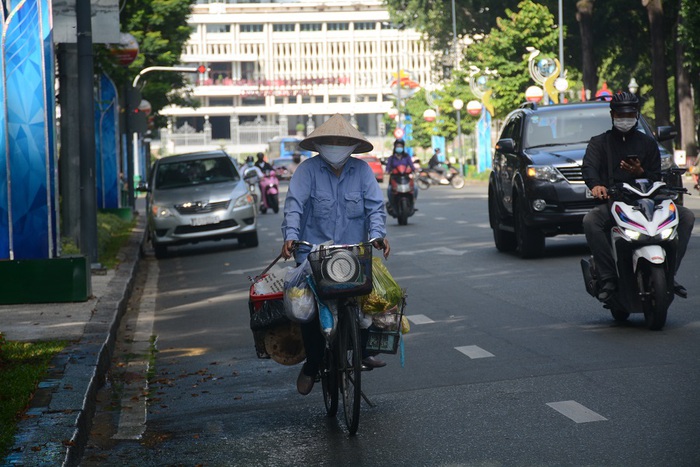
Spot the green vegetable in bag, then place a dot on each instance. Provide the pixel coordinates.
(386, 293)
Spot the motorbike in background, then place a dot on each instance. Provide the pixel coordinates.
(450, 176)
(644, 243)
(401, 183)
(253, 181)
(269, 196)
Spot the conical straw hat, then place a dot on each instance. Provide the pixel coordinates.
(339, 127)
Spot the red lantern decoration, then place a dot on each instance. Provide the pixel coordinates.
(393, 113)
(429, 115)
(474, 108)
(127, 50)
(534, 94)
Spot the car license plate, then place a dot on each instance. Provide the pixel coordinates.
(197, 221)
(589, 194)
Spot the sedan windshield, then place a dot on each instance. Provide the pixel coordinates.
(567, 126)
(195, 172)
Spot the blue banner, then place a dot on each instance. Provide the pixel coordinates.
(52, 150)
(483, 141)
(27, 147)
(107, 144)
(4, 178)
(438, 142)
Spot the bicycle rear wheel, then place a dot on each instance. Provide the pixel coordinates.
(350, 366)
(329, 382)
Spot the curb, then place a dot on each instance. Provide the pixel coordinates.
(56, 432)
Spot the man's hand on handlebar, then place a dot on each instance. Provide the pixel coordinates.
(600, 192)
(288, 248)
(382, 244)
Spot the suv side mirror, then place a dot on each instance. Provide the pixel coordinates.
(505, 145)
(665, 133)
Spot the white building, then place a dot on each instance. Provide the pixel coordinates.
(275, 66)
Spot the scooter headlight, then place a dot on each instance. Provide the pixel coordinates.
(667, 233)
(632, 234)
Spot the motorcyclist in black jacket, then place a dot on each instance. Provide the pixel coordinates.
(634, 155)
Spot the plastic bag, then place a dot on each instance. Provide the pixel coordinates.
(270, 314)
(386, 292)
(299, 301)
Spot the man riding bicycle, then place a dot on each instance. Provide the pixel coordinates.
(332, 197)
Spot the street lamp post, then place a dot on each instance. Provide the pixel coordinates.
(633, 86)
(458, 104)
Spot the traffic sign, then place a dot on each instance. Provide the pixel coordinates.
(398, 133)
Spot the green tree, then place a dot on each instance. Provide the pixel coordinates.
(160, 27)
(504, 50)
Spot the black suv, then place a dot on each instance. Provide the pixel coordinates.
(536, 189)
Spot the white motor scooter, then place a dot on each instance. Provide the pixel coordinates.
(644, 243)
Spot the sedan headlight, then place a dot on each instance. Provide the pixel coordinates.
(666, 162)
(245, 200)
(544, 172)
(160, 212)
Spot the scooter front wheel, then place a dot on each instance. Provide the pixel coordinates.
(423, 184)
(657, 302)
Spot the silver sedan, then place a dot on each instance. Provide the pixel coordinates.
(199, 196)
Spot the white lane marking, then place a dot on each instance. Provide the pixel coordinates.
(441, 218)
(462, 222)
(441, 250)
(243, 271)
(419, 319)
(474, 351)
(576, 412)
(134, 406)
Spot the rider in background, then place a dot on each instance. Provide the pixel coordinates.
(261, 163)
(435, 164)
(634, 155)
(398, 158)
(331, 197)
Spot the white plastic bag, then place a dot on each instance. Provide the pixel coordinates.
(299, 300)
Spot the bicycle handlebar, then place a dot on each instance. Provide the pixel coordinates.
(371, 241)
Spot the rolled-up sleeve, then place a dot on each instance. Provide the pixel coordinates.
(297, 196)
(374, 207)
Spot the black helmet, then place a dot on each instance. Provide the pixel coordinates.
(399, 141)
(624, 102)
(249, 159)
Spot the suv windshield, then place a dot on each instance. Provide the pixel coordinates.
(568, 126)
(195, 172)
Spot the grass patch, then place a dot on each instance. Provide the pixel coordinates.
(112, 233)
(22, 365)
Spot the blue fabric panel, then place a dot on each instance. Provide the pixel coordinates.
(4, 177)
(107, 144)
(27, 133)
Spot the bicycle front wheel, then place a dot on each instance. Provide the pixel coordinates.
(329, 382)
(350, 366)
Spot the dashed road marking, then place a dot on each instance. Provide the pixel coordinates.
(576, 412)
(474, 351)
(419, 319)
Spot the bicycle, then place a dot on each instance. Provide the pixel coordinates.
(342, 273)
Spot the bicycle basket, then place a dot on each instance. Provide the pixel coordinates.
(342, 272)
(384, 335)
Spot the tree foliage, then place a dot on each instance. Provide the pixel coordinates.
(160, 27)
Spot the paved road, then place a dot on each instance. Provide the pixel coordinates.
(508, 362)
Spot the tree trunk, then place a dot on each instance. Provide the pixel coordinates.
(584, 16)
(686, 114)
(662, 110)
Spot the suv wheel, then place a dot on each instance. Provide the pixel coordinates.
(530, 240)
(160, 251)
(504, 240)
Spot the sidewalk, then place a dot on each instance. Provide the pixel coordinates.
(58, 422)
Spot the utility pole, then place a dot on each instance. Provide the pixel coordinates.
(86, 105)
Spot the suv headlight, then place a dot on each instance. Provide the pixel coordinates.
(160, 212)
(666, 162)
(244, 200)
(544, 172)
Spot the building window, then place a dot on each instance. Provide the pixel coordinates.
(220, 101)
(310, 26)
(279, 100)
(306, 100)
(253, 100)
(365, 26)
(251, 27)
(338, 26)
(218, 28)
(286, 27)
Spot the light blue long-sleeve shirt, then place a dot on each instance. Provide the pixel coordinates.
(321, 206)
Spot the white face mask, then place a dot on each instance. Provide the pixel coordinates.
(624, 124)
(336, 156)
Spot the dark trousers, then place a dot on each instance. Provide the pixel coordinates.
(315, 343)
(597, 224)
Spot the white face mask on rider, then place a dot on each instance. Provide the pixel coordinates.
(624, 124)
(336, 156)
